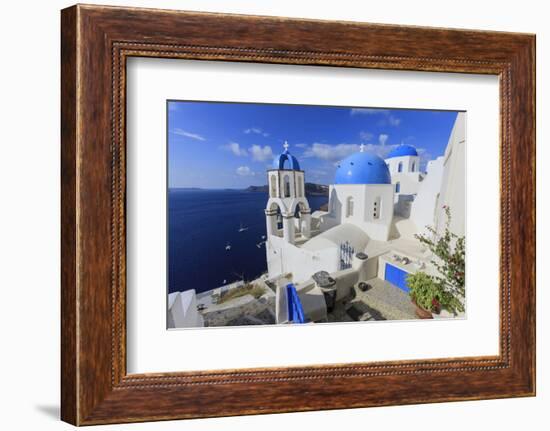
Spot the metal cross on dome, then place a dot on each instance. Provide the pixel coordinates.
(285, 145)
(362, 148)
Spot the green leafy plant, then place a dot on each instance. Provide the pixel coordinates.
(449, 250)
(426, 291)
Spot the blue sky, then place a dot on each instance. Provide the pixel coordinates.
(231, 145)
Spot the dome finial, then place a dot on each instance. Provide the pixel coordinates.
(362, 148)
(285, 158)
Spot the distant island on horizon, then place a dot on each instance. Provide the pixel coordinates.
(311, 189)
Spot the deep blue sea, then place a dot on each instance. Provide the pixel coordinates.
(200, 225)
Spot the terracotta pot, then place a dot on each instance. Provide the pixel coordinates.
(421, 313)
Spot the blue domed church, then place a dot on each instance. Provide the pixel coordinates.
(367, 232)
(404, 166)
(362, 195)
(360, 208)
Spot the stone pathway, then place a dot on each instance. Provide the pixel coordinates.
(383, 301)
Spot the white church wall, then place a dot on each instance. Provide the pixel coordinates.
(423, 208)
(364, 196)
(453, 188)
(409, 183)
(351, 198)
(409, 164)
(445, 184)
(302, 201)
(300, 184)
(284, 176)
(385, 208)
(273, 184)
(403, 204)
(296, 183)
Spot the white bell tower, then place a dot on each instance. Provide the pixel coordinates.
(287, 193)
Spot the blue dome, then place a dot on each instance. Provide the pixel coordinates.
(362, 168)
(403, 150)
(281, 159)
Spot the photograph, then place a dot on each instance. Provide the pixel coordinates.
(299, 214)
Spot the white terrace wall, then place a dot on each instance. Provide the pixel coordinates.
(283, 257)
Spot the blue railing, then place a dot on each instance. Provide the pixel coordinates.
(295, 309)
(346, 255)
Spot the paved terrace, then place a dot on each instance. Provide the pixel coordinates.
(383, 301)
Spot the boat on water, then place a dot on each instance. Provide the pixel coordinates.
(259, 245)
(243, 228)
(228, 246)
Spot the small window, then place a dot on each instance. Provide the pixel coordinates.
(273, 189)
(286, 182)
(376, 208)
(397, 187)
(349, 206)
(400, 167)
(413, 167)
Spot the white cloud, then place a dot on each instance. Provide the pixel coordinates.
(187, 134)
(335, 153)
(301, 145)
(236, 149)
(388, 117)
(330, 152)
(368, 111)
(244, 171)
(365, 136)
(261, 154)
(379, 149)
(256, 131)
(393, 121)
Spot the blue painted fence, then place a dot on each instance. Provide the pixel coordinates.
(295, 309)
(397, 277)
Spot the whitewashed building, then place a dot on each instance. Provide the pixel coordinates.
(375, 208)
(404, 165)
(444, 185)
(182, 310)
(360, 208)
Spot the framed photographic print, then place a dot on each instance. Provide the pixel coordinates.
(339, 249)
(331, 214)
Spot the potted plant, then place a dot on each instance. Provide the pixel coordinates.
(449, 251)
(426, 293)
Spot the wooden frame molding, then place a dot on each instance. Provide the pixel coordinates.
(95, 43)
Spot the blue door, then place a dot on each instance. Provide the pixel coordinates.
(397, 277)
